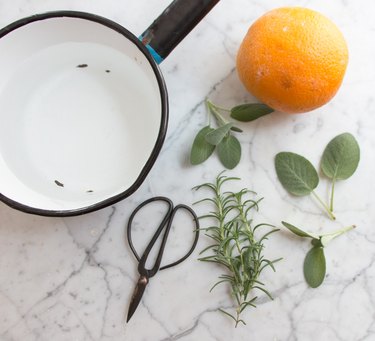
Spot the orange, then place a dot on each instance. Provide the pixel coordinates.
(293, 59)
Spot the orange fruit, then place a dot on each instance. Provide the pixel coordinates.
(293, 59)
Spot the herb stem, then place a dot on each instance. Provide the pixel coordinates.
(240, 253)
(219, 108)
(213, 109)
(321, 202)
(220, 213)
(326, 238)
(208, 115)
(332, 194)
(237, 316)
(339, 232)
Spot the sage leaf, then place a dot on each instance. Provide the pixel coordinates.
(215, 136)
(298, 231)
(296, 173)
(250, 112)
(229, 151)
(201, 149)
(314, 267)
(341, 157)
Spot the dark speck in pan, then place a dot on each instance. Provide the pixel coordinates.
(89, 191)
(108, 71)
(58, 183)
(82, 65)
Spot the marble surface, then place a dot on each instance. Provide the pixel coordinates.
(72, 278)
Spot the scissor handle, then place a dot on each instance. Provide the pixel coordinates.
(196, 230)
(166, 223)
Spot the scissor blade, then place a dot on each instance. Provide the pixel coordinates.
(137, 295)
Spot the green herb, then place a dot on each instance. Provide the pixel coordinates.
(208, 138)
(201, 149)
(236, 245)
(340, 159)
(339, 162)
(250, 112)
(299, 232)
(217, 135)
(298, 176)
(228, 146)
(244, 112)
(314, 267)
(229, 151)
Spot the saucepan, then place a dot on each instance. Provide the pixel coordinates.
(83, 107)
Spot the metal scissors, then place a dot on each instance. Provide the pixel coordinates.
(166, 223)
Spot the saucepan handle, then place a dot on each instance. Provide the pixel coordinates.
(177, 20)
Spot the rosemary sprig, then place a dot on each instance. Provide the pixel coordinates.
(236, 245)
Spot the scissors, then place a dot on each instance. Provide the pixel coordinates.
(166, 223)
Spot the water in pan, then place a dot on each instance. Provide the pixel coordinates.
(79, 121)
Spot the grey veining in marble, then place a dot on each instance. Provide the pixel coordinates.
(72, 278)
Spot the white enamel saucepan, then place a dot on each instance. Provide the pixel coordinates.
(83, 107)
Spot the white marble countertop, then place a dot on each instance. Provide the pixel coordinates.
(72, 278)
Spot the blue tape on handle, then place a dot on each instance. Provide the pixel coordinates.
(154, 54)
(158, 59)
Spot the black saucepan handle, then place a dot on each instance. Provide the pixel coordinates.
(177, 20)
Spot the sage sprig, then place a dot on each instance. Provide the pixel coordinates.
(314, 266)
(227, 145)
(237, 244)
(221, 138)
(339, 162)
